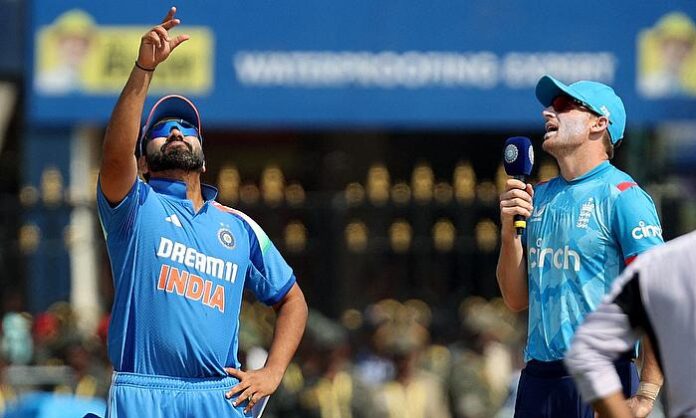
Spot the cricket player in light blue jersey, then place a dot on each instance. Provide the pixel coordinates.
(583, 228)
(180, 263)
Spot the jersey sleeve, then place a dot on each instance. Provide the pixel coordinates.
(635, 223)
(269, 276)
(119, 219)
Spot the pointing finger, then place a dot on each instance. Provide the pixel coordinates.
(170, 23)
(170, 14)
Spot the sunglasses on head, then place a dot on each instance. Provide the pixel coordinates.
(164, 128)
(564, 103)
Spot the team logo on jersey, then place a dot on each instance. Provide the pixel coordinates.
(511, 153)
(226, 238)
(585, 214)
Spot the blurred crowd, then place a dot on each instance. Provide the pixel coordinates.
(48, 352)
(392, 359)
(397, 360)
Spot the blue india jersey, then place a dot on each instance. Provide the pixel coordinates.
(179, 277)
(579, 238)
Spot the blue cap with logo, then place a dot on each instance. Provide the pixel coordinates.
(172, 106)
(599, 98)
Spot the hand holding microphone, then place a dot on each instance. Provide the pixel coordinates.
(516, 201)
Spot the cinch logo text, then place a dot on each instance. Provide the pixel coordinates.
(646, 231)
(562, 258)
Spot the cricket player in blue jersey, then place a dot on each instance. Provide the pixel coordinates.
(180, 262)
(583, 228)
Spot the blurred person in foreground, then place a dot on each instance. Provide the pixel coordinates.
(180, 262)
(584, 227)
(482, 359)
(332, 389)
(413, 392)
(655, 296)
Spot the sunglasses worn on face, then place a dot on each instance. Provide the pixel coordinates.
(563, 103)
(164, 128)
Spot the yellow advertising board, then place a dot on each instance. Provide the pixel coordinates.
(76, 55)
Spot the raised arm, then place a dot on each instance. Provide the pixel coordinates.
(119, 166)
(512, 269)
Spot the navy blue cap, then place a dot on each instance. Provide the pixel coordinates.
(172, 106)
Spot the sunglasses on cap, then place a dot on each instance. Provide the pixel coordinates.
(164, 128)
(564, 103)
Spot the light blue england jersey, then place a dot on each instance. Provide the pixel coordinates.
(581, 235)
(179, 278)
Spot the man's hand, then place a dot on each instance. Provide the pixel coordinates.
(640, 406)
(253, 385)
(156, 45)
(516, 200)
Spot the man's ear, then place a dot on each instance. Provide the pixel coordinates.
(600, 123)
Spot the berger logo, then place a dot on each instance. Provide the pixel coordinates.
(585, 214)
(644, 230)
(173, 219)
(605, 111)
(511, 153)
(226, 238)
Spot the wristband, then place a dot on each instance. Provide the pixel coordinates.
(149, 70)
(648, 390)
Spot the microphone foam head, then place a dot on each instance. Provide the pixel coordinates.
(518, 156)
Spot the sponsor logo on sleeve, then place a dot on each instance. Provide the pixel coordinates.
(644, 230)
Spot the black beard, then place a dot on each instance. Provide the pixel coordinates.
(177, 158)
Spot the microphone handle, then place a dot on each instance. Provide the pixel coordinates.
(519, 221)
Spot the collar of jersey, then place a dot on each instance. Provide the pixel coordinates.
(177, 188)
(602, 167)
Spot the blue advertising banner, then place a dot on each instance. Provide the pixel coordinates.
(441, 63)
